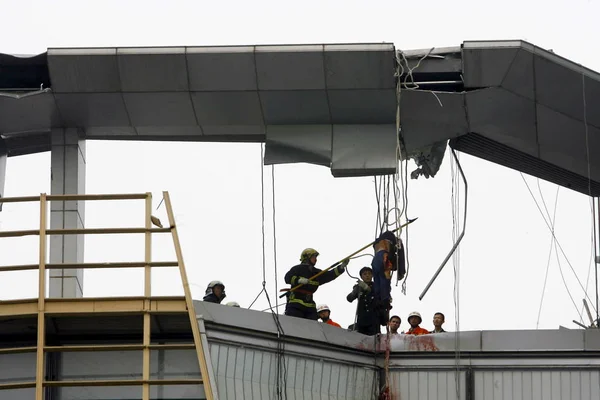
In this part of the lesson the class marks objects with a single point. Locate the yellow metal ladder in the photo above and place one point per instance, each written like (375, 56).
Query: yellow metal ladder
(146, 305)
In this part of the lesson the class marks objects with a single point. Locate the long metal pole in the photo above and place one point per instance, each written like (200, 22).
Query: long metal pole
(410, 221)
(453, 249)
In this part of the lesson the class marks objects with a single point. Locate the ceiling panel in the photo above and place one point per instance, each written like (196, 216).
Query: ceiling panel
(33, 112)
(592, 101)
(169, 131)
(505, 117)
(290, 107)
(362, 106)
(363, 150)
(562, 140)
(486, 67)
(298, 143)
(227, 108)
(110, 132)
(221, 68)
(160, 109)
(92, 109)
(234, 132)
(296, 67)
(559, 87)
(153, 70)
(424, 121)
(83, 70)
(519, 77)
(360, 66)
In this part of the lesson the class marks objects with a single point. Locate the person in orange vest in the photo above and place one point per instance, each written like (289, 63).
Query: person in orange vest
(324, 313)
(414, 319)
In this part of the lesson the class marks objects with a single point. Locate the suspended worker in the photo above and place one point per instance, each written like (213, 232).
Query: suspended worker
(388, 255)
(300, 302)
(365, 320)
(324, 313)
(215, 292)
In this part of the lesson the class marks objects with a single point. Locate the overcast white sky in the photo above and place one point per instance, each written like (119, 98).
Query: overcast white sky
(215, 188)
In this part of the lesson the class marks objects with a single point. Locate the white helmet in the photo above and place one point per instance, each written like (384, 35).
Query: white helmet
(323, 307)
(233, 304)
(415, 314)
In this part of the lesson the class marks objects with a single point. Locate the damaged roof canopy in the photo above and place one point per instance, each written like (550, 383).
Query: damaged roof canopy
(333, 105)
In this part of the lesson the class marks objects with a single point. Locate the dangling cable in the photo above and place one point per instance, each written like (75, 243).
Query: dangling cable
(281, 373)
(537, 325)
(557, 243)
(274, 241)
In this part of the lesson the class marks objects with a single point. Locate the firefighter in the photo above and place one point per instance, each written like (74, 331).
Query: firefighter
(215, 292)
(414, 319)
(300, 302)
(366, 319)
(324, 312)
(384, 262)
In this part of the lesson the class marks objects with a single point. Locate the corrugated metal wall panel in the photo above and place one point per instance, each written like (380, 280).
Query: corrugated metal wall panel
(537, 385)
(427, 385)
(243, 373)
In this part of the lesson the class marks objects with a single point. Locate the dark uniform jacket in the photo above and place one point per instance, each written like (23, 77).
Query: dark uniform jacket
(212, 298)
(365, 309)
(303, 295)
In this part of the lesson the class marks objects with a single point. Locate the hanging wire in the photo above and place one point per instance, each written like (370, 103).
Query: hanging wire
(557, 243)
(281, 373)
(274, 241)
(537, 325)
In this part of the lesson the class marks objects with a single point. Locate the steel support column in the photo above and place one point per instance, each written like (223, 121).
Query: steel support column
(68, 177)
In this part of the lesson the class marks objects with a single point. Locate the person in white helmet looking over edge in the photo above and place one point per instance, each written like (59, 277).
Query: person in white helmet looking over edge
(324, 312)
(300, 302)
(414, 319)
(215, 292)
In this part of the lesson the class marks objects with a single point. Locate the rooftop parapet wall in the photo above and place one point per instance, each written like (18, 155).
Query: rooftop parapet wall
(261, 324)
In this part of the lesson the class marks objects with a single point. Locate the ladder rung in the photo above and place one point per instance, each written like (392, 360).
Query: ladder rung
(119, 347)
(16, 385)
(155, 264)
(28, 267)
(69, 197)
(129, 382)
(13, 350)
(85, 231)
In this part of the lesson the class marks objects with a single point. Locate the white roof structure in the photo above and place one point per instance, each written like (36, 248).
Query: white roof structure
(509, 102)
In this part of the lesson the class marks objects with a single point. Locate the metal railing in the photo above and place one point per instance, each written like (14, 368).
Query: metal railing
(146, 304)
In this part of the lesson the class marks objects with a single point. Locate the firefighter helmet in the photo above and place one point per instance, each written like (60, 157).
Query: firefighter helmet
(308, 253)
(415, 314)
(211, 285)
(323, 307)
